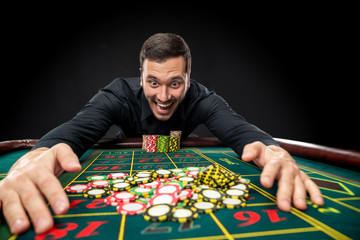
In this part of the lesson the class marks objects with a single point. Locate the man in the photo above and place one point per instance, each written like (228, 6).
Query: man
(162, 99)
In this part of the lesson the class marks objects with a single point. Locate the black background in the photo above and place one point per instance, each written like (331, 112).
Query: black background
(290, 70)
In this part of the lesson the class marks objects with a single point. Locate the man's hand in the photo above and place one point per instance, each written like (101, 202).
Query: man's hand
(293, 184)
(30, 179)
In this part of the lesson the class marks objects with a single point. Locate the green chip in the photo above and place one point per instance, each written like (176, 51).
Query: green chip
(163, 144)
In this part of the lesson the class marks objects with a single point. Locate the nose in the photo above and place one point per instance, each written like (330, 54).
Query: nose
(163, 94)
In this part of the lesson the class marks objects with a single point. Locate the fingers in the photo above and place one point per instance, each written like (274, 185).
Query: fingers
(21, 197)
(30, 182)
(66, 157)
(14, 213)
(37, 209)
(285, 188)
(50, 186)
(252, 151)
(313, 190)
(269, 173)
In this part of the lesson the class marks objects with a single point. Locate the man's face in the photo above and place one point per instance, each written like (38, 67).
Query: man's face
(165, 85)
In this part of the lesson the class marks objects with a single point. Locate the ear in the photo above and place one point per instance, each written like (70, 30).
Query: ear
(141, 84)
(188, 80)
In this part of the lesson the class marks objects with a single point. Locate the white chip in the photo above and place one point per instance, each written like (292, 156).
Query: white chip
(96, 191)
(163, 171)
(133, 206)
(121, 185)
(159, 210)
(168, 189)
(161, 199)
(182, 213)
(209, 193)
(231, 201)
(186, 179)
(204, 205)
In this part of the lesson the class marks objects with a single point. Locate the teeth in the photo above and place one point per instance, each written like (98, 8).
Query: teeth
(164, 105)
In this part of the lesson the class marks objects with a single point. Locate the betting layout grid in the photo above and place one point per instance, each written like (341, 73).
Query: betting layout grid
(263, 212)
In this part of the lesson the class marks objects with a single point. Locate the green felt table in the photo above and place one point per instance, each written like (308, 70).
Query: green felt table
(260, 219)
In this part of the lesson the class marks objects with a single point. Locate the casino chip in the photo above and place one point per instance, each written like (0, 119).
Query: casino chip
(77, 188)
(211, 195)
(122, 186)
(98, 177)
(187, 180)
(96, 193)
(142, 192)
(164, 198)
(159, 212)
(131, 208)
(236, 193)
(183, 215)
(99, 184)
(185, 194)
(108, 200)
(204, 207)
(153, 184)
(168, 189)
(117, 175)
(241, 186)
(163, 173)
(123, 197)
(234, 203)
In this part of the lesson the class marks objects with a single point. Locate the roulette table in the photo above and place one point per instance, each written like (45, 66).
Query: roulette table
(336, 171)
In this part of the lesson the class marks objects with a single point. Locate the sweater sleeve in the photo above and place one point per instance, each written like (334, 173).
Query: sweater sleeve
(89, 125)
(231, 128)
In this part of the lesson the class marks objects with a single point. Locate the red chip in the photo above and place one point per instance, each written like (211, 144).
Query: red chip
(185, 194)
(123, 197)
(163, 199)
(168, 189)
(99, 184)
(108, 200)
(132, 208)
(166, 179)
(78, 188)
(117, 175)
(153, 184)
(193, 174)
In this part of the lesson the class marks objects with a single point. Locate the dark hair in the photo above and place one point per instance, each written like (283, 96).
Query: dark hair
(161, 46)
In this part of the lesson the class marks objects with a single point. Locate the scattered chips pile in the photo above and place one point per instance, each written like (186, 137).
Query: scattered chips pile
(178, 195)
(161, 143)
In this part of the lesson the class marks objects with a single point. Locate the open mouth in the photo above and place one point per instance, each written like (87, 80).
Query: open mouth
(163, 108)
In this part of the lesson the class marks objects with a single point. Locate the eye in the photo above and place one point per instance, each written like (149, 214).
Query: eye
(175, 84)
(153, 83)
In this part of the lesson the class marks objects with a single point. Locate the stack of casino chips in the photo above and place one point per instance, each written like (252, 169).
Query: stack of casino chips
(162, 143)
(178, 195)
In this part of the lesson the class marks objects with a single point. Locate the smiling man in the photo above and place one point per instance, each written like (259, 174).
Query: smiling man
(162, 99)
(165, 85)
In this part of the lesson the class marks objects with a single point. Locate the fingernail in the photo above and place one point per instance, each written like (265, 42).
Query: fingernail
(18, 226)
(301, 202)
(246, 154)
(59, 207)
(319, 201)
(286, 205)
(74, 165)
(41, 225)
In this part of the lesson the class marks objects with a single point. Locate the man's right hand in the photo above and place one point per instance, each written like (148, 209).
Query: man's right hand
(30, 179)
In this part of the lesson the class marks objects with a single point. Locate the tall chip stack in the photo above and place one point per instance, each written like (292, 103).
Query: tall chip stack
(174, 144)
(144, 142)
(163, 144)
(176, 134)
(151, 143)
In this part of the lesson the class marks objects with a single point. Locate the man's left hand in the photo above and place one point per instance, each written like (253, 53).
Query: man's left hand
(293, 184)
